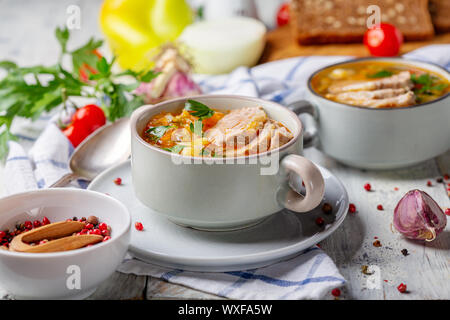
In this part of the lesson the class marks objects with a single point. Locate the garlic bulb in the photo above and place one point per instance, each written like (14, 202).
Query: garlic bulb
(418, 216)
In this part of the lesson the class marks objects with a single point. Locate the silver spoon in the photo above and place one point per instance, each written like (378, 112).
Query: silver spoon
(108, 146)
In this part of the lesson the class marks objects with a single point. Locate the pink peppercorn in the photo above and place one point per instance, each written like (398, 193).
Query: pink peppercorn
(351, 208)
(402, 288)
(139, 226)
(336, 292)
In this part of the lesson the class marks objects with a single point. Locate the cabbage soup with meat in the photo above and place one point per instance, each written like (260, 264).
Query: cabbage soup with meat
(379, 84)
(198, 130)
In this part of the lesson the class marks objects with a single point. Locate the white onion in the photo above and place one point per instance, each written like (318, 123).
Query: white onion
(222, 45)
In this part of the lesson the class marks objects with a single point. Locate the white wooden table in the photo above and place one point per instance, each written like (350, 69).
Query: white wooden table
(26, 36)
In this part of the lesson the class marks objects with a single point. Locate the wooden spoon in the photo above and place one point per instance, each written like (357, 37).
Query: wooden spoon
(60, 231)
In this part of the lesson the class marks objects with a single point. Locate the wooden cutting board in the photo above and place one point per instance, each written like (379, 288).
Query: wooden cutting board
(281, 45)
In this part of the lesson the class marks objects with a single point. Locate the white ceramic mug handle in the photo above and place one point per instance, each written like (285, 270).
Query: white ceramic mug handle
(312, 179)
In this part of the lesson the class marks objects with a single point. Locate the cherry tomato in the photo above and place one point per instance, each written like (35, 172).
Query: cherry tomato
(383, 40)
(90, 116)
(283, 14)
(76, 133)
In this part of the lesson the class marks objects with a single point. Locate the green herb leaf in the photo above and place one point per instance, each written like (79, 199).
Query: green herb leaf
(439, 87)
(175, 149)
(425, 84)
(158, 132)
(424, 79)
(5, 136)
(62, 35)
(380, 74)
(103, 66)
(147, 76)
(198, 109)
(86, 55)
(7, 65)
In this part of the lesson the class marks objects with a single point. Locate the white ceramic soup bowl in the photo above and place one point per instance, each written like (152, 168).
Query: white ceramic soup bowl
(206, 193)
(380, 138)
(71, 274)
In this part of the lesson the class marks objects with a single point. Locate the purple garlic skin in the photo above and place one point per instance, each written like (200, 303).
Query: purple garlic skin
(179, 85)
(417, 216)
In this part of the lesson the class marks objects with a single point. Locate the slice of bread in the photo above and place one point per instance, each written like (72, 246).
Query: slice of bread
(334, 21)
(440, 14)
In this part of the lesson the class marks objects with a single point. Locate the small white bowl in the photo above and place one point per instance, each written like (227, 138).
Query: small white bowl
(71, 274)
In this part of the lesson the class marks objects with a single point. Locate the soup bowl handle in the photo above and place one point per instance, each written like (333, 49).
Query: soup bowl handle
(312, 179)
(305, 107)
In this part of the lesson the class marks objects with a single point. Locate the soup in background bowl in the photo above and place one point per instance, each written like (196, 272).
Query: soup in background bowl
(378, 137)
(380, 84)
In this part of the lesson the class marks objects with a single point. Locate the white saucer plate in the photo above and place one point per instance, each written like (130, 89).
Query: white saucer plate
(279, 237)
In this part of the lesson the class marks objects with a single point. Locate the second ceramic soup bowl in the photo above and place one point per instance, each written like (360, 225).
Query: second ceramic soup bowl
(222, 194)
(385, 138)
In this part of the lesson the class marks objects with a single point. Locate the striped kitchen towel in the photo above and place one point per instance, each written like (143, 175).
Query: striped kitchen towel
(38, 163)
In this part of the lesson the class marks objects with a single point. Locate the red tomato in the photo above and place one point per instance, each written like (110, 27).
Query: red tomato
(383, 40)
(90, 116)
(76, 133)
(283, 14)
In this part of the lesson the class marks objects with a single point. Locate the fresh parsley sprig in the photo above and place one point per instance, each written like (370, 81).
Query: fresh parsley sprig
(380, 74)
(426, 84)
(29, 91)
(157, 133)
(198, 109)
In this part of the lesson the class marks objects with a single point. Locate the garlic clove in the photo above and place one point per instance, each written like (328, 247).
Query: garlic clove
(417, 216)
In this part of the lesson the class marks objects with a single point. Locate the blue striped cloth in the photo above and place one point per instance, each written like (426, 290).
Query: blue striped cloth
(38, 163)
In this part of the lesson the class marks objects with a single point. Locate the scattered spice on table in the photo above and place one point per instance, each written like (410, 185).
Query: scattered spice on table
(327, 208)
(365, 270)
(402, 288)
(320, 222)
(351, 208)
(139, 226)
(429, 184)
(377, 243)
(336, 292)
(118, 181)
(439, 180)
(368, 187)
(380, 207)
(447, 211)
(396, 189)
(405, 252)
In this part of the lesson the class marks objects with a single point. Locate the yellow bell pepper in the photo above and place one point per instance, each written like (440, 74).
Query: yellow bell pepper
(133, 28)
